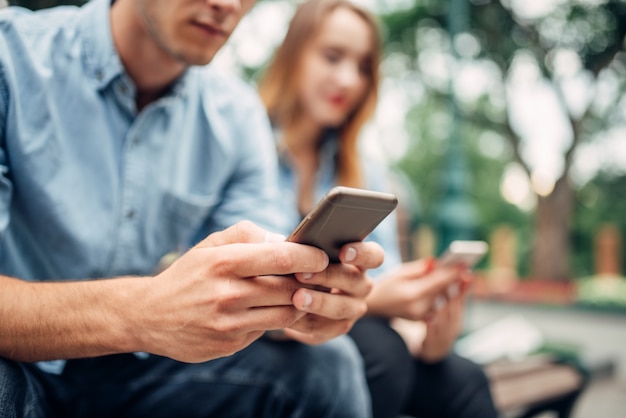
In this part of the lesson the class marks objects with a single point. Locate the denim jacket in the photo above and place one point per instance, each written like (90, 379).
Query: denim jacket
(375, 178)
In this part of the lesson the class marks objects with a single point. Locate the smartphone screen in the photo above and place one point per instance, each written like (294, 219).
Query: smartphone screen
(344, 215)
(467, 253)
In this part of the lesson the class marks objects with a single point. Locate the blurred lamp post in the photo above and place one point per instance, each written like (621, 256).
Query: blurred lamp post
(456, 215)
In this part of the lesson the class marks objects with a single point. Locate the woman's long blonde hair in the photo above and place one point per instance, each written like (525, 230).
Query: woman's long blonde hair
(278, 88)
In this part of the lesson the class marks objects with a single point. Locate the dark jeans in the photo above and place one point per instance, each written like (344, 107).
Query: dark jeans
(267, 379)
(402, 385)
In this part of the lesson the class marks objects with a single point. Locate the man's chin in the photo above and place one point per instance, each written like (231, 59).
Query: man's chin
(199, 61)
(190, 58)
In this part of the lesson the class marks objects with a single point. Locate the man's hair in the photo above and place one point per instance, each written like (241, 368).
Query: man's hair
(278, 86)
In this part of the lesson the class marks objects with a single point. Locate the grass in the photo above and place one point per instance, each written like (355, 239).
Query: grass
(602, 292)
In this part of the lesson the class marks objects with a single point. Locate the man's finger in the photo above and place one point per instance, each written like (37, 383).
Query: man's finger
(253, 259)
(313, 329)
(241, 232)
(348, 279)
(261, 291)
(333, 306)
(274, 317)
(365, 255)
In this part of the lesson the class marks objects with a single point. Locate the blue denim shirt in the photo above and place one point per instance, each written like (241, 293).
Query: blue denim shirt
(375, 177)
(92, 188)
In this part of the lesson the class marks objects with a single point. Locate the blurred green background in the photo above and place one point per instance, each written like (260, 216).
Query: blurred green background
(497, 115)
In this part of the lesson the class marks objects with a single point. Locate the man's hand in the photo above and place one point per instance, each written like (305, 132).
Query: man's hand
(332, 313)
(211, 302)
(226, 292)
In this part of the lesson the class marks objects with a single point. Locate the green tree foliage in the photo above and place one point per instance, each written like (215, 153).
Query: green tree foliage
(497, 36)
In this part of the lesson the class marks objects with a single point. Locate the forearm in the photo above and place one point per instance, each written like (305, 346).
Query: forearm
(43, 321)
(377, 310)
(381, 301)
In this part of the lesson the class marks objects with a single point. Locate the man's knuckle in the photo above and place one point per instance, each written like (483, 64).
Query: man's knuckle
(288, 318)
(282, 259)
(221, 327)
(244, 230)
(343, 311)
(221, 263)
(224, 292)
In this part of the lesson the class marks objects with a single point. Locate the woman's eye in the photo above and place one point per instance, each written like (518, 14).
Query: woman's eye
(365, 70)
(332, 57)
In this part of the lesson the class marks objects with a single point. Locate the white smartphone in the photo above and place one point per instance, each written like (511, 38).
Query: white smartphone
(344, 215)
(467, 253)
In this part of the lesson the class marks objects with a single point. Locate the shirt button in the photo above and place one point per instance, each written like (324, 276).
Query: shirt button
(99, 75)
(130, 214)
(123, 89)
(136, 141)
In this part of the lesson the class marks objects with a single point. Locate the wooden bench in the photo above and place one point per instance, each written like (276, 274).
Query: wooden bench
(535, 384)
(545, 382)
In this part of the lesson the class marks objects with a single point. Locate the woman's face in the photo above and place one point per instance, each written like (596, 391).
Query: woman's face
(335, 69)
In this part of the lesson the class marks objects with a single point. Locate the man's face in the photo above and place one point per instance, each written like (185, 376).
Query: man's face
(191, 31)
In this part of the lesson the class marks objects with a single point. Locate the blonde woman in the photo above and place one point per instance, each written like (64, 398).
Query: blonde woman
(320, 89)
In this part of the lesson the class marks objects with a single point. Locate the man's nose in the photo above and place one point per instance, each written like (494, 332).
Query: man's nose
(225, 5)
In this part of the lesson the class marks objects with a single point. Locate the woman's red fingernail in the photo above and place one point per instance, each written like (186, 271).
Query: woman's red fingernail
(430, 264)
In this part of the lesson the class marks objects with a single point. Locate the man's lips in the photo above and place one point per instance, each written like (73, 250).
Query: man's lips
(210, 29)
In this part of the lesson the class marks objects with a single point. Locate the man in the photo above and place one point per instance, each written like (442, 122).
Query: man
(115, 149)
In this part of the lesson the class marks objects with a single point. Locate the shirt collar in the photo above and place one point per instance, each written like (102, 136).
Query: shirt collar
(100, 56)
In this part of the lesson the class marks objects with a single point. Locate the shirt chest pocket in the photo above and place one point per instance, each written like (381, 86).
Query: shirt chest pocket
(184, 216)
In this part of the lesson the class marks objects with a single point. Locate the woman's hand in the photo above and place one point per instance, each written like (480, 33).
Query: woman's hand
(412, 290)
(433, 339)
(444, 327)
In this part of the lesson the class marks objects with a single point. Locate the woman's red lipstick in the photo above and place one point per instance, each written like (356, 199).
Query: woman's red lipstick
(337, 100)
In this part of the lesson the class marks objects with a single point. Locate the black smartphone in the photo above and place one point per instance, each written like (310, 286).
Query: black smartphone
(344, 215)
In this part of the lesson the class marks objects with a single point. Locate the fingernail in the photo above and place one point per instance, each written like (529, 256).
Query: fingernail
(307, 300)
(306, 276)
(453, 290)
(350, 254)
(430, 263)
(440, 302)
